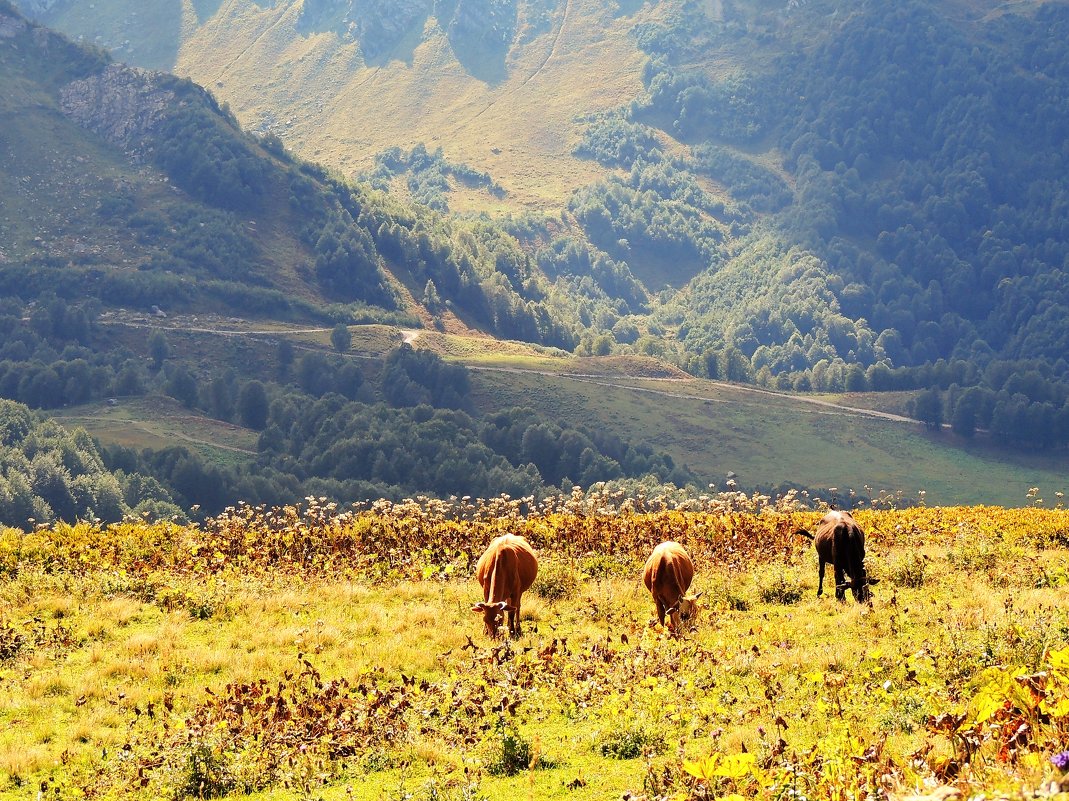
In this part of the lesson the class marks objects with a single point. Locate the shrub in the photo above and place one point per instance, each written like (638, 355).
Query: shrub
(908, 570)
(11, 642)
(557, 581)
(783, 587)
(629, 741)
(513, 754)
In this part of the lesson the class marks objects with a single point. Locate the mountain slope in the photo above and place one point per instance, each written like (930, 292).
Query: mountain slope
(879, 209)
(139, 189)
(334, 105)
(285, 71)
(88, 190)
(912, 151)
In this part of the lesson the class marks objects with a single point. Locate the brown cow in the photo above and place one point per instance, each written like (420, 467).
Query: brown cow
(505, 570)
(667, 575)
(840, 542)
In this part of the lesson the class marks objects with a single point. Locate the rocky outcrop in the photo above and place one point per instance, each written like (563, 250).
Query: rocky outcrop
(36, 8)
(120, 104)
(10, 27)
(380, 24)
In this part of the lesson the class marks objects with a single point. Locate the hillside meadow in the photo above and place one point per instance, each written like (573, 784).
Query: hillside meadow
(314, 652)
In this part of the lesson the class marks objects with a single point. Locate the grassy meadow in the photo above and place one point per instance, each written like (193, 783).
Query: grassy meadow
(769, 439)
(315, 653)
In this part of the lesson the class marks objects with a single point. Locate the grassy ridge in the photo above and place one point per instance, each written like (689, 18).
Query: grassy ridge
(158, 422)
(301, 653)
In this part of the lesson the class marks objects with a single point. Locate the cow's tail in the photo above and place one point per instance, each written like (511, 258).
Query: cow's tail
(803, 533)
(504, 562)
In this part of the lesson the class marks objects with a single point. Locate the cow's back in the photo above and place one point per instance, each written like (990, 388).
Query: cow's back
(508, 565)
(839, 537)
(668, 571)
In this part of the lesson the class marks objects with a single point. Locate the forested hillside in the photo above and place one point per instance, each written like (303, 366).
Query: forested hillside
(133, 196)
(168, 204)
(811, 196)
(813, 218)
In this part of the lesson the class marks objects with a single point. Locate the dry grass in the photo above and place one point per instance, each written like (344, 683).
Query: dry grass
(969, 593)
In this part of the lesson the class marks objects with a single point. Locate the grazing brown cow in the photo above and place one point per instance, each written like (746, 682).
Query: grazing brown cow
(667, 575)
(505, 570)
(841, 542)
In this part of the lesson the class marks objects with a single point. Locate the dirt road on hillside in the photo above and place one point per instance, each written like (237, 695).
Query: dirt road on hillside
(622, 383)
(619, 383)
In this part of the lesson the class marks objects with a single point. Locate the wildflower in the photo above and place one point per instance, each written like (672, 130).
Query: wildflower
(1061, 761)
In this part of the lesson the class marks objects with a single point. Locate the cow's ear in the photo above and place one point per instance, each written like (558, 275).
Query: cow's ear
(873, 581)
(508, 607)
(846, 585)
(479, 608)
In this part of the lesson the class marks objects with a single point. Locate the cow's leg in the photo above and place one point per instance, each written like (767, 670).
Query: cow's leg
(820, 584)
(513, 617)
(673, 621)
(840, 578)
(661, 609)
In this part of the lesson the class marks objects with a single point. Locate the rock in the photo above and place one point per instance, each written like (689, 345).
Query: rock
(120, 104)
(484, 23)
(378, 25)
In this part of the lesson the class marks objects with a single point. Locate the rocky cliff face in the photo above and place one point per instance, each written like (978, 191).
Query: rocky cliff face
(121, 104)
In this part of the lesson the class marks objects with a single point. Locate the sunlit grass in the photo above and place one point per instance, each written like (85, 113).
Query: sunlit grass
(606, 700)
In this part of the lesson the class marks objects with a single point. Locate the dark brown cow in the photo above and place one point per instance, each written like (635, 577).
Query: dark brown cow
(840, 542)
(667, 575)
(505, 570)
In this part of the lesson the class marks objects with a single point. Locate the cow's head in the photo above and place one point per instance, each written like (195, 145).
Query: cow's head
(493, 615)
(859, 587)
(685, 612)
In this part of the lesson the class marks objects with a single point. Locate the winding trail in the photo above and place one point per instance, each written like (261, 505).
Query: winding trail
(608, 381)
(537, 71)
(553, 48)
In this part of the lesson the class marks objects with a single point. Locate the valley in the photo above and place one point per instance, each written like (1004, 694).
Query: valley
(663, 190)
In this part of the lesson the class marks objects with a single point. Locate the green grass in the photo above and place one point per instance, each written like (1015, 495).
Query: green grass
(157, 422)
(767, 439)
